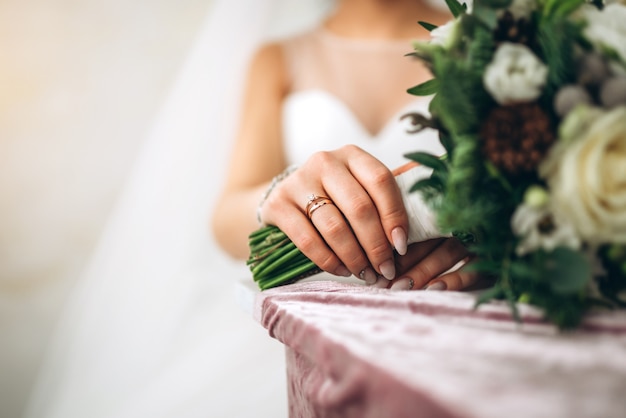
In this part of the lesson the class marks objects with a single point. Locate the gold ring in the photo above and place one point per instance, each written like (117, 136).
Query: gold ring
(316, 202)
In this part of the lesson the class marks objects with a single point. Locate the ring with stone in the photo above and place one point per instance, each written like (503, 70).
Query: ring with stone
(315, 202)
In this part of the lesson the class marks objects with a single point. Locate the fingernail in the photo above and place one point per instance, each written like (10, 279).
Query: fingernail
(398, 236)
(437, 286)
(381, 283)
(388, 269)
(368, 275)
(343, 271)
(405, 283)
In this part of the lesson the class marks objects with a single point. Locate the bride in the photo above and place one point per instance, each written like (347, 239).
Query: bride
(152, 329)
(330, 102)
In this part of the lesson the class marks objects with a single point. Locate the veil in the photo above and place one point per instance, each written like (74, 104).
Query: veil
(152, 327)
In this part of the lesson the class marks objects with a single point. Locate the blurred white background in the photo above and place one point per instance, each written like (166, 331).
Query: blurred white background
(80, 84)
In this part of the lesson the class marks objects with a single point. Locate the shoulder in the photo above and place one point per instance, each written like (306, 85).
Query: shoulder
(275, 60)
(268, 65)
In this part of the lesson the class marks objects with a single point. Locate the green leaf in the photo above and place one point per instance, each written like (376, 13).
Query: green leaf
(567, 271)
(429, 160)
(456, 8)
(565, 8)
(447, 143)
(494, 4)
(427, 88)
(487, 16)
(561, 8)
(428, 26)
(429, 183)
(483, 266)
(495, 292)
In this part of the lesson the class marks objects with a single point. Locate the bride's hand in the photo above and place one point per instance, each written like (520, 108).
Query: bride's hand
(365, 220)
(433, 265)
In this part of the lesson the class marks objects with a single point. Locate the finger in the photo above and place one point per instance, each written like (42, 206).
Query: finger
(363, 223)
(380, 184)
(416, 252)
(456, 279)
(438, 261)
(280, 210)
(337, 234)
(359, 211)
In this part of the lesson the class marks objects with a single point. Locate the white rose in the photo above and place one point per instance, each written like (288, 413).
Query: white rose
(606, 28)
(515, 74)
(587, 177)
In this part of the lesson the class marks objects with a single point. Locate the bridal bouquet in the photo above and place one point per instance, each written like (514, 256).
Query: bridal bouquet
(529, 99)
(530, 104)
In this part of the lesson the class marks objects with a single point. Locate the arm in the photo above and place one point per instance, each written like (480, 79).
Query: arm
(356, 235)
(359, 243)
(257, 155)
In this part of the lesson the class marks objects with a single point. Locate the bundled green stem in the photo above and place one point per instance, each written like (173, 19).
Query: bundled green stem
(275, 260)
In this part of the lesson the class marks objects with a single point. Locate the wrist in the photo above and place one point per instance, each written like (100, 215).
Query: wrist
(275, 181)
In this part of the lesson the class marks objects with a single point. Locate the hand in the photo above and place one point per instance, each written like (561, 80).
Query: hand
(433, 265)
(358, 232)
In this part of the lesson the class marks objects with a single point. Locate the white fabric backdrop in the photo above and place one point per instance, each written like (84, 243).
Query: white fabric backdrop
(152, 329)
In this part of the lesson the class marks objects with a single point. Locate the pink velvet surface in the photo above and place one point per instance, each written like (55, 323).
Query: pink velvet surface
(355, 351)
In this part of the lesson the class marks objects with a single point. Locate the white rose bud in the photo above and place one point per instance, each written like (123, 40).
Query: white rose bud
(587, 178)
(515, 74)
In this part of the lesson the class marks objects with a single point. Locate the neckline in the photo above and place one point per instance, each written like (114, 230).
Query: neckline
(373, 136)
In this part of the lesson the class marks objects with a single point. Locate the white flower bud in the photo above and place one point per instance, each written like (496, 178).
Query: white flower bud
(536, 196)
(515, 74)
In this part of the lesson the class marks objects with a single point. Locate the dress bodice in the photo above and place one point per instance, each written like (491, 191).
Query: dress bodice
(333, 102)
(316, 120)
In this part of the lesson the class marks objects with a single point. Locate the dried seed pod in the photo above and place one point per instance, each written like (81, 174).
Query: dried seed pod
(568, 97)
(593, 69)
(517, 137)
(613, 92)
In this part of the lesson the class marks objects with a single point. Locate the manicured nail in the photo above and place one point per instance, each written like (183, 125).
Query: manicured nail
(405, 283)
(437, 286)
(368, 275)
(343, 271)
(398, 236)
(381, 283)
(388, 269)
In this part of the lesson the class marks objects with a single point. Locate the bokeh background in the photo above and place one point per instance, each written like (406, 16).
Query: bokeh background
(81, 82)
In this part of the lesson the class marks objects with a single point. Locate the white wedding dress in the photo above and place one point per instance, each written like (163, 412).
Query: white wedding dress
(153, 328)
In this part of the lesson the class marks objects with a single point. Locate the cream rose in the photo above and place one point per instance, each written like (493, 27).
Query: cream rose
(586, 174)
